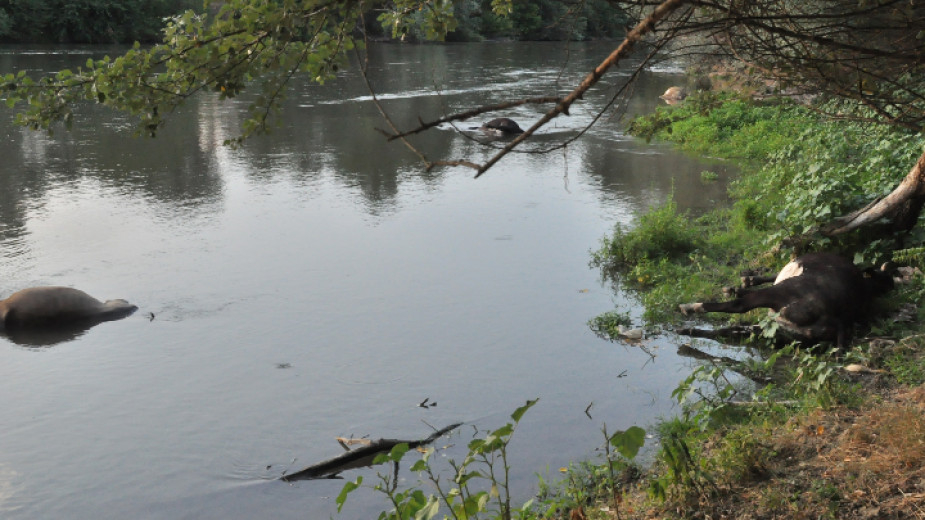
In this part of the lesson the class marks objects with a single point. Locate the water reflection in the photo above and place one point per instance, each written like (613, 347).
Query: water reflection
(46, 337)
(331, 130)
(35, 163)
(7, 488)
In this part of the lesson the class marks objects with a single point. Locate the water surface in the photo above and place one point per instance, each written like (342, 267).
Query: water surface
(318, 283)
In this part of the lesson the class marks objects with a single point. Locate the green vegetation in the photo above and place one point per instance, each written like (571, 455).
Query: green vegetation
(86, 21)
(479, 485)
(538, 20)
(784, 448)
(127, 21)
(610, 324)
(724, 125)
(799, 171)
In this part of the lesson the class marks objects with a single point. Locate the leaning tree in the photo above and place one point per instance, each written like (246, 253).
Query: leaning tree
(871, 52)
(868, 51)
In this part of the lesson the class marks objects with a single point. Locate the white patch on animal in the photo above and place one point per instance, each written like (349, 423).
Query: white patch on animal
(791, 270)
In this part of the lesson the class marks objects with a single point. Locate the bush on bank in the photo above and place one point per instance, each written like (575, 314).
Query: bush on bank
(86, 21)
(799, 170)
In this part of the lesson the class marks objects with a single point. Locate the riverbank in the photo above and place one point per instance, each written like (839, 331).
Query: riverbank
(780, 432)
(836, 434)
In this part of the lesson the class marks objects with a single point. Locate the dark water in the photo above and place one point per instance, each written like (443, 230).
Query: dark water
(318, 283)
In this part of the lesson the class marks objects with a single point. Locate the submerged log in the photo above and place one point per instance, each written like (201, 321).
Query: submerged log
(360, 457)
(735, 365)
(736, 333)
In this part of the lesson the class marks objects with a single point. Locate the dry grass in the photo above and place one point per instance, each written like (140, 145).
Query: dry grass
(838, 463)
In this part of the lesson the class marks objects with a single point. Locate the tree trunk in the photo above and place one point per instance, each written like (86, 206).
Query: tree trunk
(902, 206)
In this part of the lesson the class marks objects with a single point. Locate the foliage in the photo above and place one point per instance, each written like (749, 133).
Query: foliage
(244, 45)
(661, 233)
(907, 369)
(86, 21)
(910, 256)
(479, 487)
(815, 378)
(588, 483)
(538, 20)
(6, 23)
(798, 171)
(907, 362)
(410, 18)
(710, 384)
(723, 124)
(833, 168)
(801, 170)
(608, 325)
(670, 257)
(477, 20)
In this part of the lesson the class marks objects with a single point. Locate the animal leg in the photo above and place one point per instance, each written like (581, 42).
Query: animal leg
(770, 297)
(747, 281)
(752, 281)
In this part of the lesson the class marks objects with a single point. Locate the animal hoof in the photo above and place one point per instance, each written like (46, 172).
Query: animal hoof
(688, 308)
(633, 334)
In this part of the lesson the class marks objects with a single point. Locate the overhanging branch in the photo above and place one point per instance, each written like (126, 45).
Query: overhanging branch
(644, 27)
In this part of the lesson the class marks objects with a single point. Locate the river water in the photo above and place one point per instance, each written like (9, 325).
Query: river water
(319, 283)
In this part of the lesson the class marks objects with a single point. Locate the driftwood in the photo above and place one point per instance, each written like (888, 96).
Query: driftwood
(360, 457)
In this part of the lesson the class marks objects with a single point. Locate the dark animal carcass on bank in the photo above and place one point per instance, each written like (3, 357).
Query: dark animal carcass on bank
(818, 297)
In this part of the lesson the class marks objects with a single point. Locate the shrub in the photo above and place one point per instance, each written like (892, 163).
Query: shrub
(661, 233)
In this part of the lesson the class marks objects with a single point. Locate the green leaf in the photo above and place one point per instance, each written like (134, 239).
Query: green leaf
(348, 487)
(629, 442)
(382, 458)
(518, 413)
(398, 451)
(464, 478)
(502, 432)
(429, 511)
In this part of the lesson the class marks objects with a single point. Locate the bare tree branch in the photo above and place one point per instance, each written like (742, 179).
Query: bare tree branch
(644, 27)
(462, 116)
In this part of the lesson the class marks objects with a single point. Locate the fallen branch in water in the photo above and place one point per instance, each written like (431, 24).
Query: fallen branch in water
(360, 457)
